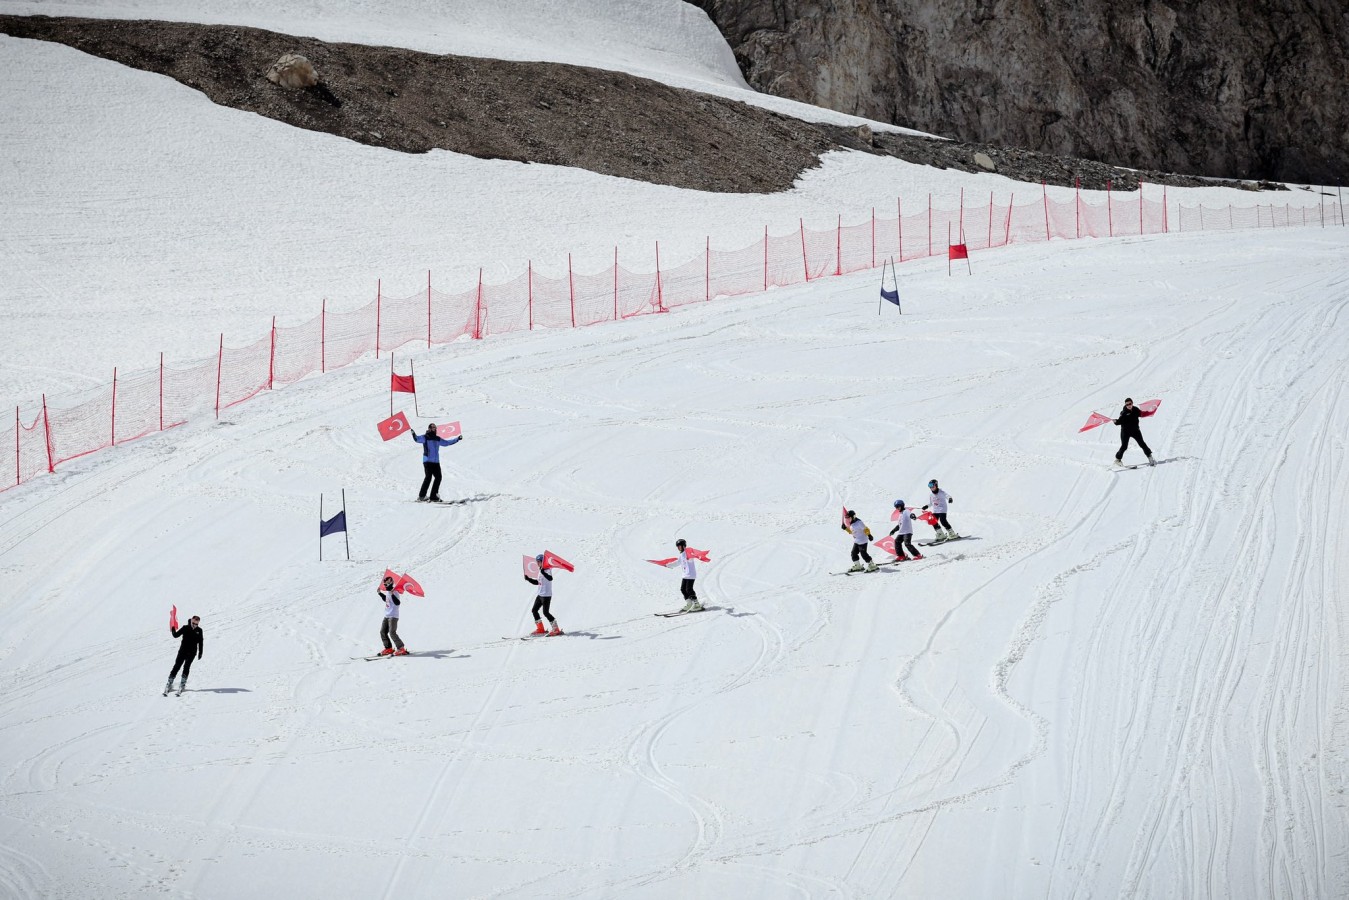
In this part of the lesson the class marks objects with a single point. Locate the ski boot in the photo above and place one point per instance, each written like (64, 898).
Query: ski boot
(871, 567)
(539, 629)
(1151, 461)
(1119, 464)
(952, 536)
(557, 629)
(168, 687)
(939, 537)
(387, 651)
(182, 686)
(916, 556)
(695, 606)
(401, 651)
(856, 567)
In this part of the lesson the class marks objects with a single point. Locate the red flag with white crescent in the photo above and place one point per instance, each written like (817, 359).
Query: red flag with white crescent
(173, 617)
(887, 544)
(663, 563)
(451, 430)
(1094, 421)
(531, 567)
(552, 561)
(406, 584)
(394, 426)
(1147, 408)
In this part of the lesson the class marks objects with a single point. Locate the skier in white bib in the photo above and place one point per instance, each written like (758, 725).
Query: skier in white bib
(905, 531)
(690, 572)
(940, 499)
(861, 535)
(544, 600)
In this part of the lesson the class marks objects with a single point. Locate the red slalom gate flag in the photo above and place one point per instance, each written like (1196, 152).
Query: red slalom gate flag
(1094, 421)
(403, 384)
(393, 426)
(958, 251)
(173, 617)
(1147, 408)
(531, 567)
(552, 561)
(887, 544)
(451, 430)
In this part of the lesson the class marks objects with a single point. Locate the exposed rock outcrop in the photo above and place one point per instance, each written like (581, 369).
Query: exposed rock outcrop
(1249, 90)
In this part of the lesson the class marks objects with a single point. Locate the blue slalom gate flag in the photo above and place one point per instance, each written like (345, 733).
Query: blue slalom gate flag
(334, 525)
(892, 296)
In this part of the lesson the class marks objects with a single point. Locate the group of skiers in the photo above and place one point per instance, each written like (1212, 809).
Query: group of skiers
(903, 530)
(193, 639)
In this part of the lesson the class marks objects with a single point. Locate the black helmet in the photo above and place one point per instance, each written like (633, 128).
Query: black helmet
(851, 514)
(680, 544)
(899, 504)
(388, 581)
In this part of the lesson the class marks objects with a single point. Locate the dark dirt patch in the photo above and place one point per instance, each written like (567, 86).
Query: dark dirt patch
(607, 122)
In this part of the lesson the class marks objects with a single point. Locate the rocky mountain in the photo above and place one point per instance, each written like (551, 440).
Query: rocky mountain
(1249, 90)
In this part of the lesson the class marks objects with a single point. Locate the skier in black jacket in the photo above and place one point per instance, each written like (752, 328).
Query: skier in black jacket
(1128, 428)
(194, 641)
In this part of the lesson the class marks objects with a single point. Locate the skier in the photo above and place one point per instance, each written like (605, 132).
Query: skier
(544, 600)
(194, 641)
(861, 534)
(431, 445)
(690, 572)
(905, 531)
(389, 629)
(1128, 428)
(940, 499)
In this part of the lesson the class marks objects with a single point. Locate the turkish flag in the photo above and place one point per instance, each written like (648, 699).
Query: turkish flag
(845, 517)
(1095, 420)
(887, 544)
(699, 554)
(552, 561)
(1147, 408)
(664, 563)
(928, 517)
(403, 384)
(451, 430)
(897, 515)
(408, 585)
(393, 426)
(173, 617)
(958, 251)
(531, 568)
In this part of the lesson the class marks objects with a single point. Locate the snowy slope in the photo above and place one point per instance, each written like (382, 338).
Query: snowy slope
(1122, 684)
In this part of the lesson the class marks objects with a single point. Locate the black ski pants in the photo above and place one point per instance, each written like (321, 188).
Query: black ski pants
(183, 662)
(542, 603)
(390, 630)
(1124, 443)
(902, 541)
(860, 550)
(432, 480)
(686, 589)
(941, 522)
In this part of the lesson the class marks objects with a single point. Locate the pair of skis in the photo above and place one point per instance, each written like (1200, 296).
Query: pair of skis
(380, 656)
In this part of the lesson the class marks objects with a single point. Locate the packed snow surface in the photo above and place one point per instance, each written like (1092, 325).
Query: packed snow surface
(1119, 683)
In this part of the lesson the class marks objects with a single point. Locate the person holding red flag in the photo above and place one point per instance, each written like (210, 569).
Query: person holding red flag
(190, 648)
(545, 597)
(905, 531)
(389, 629)
(1128, 428)
(940, 499)
(431, 445)
(690, 572)
(861, 536)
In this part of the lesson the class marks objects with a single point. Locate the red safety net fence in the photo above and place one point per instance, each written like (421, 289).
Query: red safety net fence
(135, 404)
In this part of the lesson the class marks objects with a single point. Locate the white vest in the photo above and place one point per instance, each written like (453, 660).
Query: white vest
(686, 563)
(390, 608)
(859, 531)
(938, 501)
(545, 586)
(905, 523)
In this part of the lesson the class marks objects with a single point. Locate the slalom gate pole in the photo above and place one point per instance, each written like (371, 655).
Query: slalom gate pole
(346, 532)
(428, 309)
(219, 363)
(379, 308)
(114, 406)
(412, 367)
(320, 526)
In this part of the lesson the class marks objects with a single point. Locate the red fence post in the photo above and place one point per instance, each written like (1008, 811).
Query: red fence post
(17, 468)
(615, 282)
(379, 307)
(428, 309)
(219, 362)
(838, 247)
(1045, 191)
(1166, 228)
(477, 311)
(571, 290)
(1140, 207)
(323, 336)
(1077, 204)
(961, 232)
(271, 359)
(530, 271)
(114, 406)
(805, 263)
(765, 257)
(707, 269)
(161, 390)
(873, 237)
(660, 294)
(929, 224)
(47, 430)
(899, 225)
(1109, 209)
(990, 218)
(1007, 234)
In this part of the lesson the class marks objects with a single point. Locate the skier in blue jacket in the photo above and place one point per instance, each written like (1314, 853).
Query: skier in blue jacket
(431, 445)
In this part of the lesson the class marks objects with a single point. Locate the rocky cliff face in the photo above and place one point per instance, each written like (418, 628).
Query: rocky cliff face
(1252, 90)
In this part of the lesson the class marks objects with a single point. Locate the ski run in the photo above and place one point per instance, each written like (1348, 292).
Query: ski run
(1113, 685)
